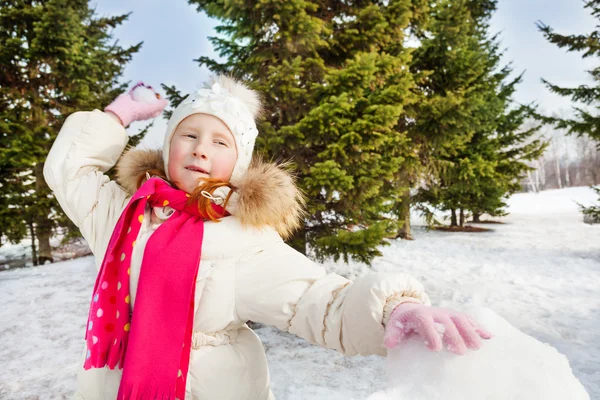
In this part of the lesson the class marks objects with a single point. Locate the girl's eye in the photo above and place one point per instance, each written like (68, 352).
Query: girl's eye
(191, 135)
(221, 143)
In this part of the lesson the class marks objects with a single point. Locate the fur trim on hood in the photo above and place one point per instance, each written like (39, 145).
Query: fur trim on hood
(268, 194)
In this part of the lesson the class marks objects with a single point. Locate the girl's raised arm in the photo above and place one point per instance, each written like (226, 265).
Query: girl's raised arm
(87, 146)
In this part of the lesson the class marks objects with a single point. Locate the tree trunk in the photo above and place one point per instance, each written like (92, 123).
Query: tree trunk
(462, 218)
(42, 220)
(34, 258)
(405, 232)
(543, 176)
(567, 158)
(298, 241)
(532, 183)
(476, 217)
(558, 177)
(453, 218)
(44, 231)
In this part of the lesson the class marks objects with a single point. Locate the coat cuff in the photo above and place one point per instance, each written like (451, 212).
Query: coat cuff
(394, 301)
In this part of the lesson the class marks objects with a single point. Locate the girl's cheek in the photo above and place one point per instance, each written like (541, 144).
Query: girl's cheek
(179, 153)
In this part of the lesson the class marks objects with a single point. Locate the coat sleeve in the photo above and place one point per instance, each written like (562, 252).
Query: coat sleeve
(88, 145)
(281, 287)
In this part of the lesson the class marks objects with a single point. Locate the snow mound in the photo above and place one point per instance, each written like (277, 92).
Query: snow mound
(511, 366)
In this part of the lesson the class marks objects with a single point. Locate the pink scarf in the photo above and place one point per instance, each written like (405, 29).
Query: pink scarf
(153, 344)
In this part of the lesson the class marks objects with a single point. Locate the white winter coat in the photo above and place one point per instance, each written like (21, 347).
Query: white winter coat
(247, 272)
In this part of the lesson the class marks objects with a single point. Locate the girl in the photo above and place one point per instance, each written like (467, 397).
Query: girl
(189, 246)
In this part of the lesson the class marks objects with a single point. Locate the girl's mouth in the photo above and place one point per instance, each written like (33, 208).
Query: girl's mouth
(196, 169)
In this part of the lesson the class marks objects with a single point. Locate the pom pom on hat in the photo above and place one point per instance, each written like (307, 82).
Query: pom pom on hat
(243, 93)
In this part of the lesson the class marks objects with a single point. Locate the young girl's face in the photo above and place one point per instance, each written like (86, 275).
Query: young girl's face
(202, 146)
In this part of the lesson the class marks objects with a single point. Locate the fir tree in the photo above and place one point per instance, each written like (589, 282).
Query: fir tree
(591, 214)
(510, 148)
(484, 164)
(58, 57)
(447, 67)
(456, 91)
(584, 121)
(337, 89)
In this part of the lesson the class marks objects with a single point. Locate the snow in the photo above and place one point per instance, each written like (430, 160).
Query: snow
(511, 366)
(18, 255)
(15, 251)
(540, 271)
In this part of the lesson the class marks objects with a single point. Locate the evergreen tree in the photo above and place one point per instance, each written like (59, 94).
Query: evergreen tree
(484, 165)
(57, 57)
(457, 91)
(584, 121)
(591, 214)
(510, 148)
(489, 167)
(337, 90)
(448, 67)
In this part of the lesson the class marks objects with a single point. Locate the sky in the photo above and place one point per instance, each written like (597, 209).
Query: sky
(174, 34)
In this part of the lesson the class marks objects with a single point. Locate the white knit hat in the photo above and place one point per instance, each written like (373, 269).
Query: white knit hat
(234, 104)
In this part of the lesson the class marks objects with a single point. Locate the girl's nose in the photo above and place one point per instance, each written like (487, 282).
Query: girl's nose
(200, 150)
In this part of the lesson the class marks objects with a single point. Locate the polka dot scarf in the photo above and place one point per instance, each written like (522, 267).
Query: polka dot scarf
(153, 345)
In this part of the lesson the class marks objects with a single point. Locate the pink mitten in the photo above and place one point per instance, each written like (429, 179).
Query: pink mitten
(138, 104)
(456, 330)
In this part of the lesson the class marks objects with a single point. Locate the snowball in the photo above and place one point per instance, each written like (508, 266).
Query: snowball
(144, 95)
(441, 328)
(510, 366)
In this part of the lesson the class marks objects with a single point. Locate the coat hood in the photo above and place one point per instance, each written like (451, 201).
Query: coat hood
(267, 194)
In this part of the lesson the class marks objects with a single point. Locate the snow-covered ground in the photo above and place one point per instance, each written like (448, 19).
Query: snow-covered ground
(18, 255)
(540, 271)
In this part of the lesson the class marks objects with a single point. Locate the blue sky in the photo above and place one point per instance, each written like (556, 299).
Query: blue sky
(174, 34)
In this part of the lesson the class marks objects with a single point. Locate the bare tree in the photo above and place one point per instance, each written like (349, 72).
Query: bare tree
(589, 161)
(570, 161)
(554, 144)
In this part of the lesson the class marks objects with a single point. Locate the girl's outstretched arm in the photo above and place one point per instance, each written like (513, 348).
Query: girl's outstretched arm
(279, 286)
